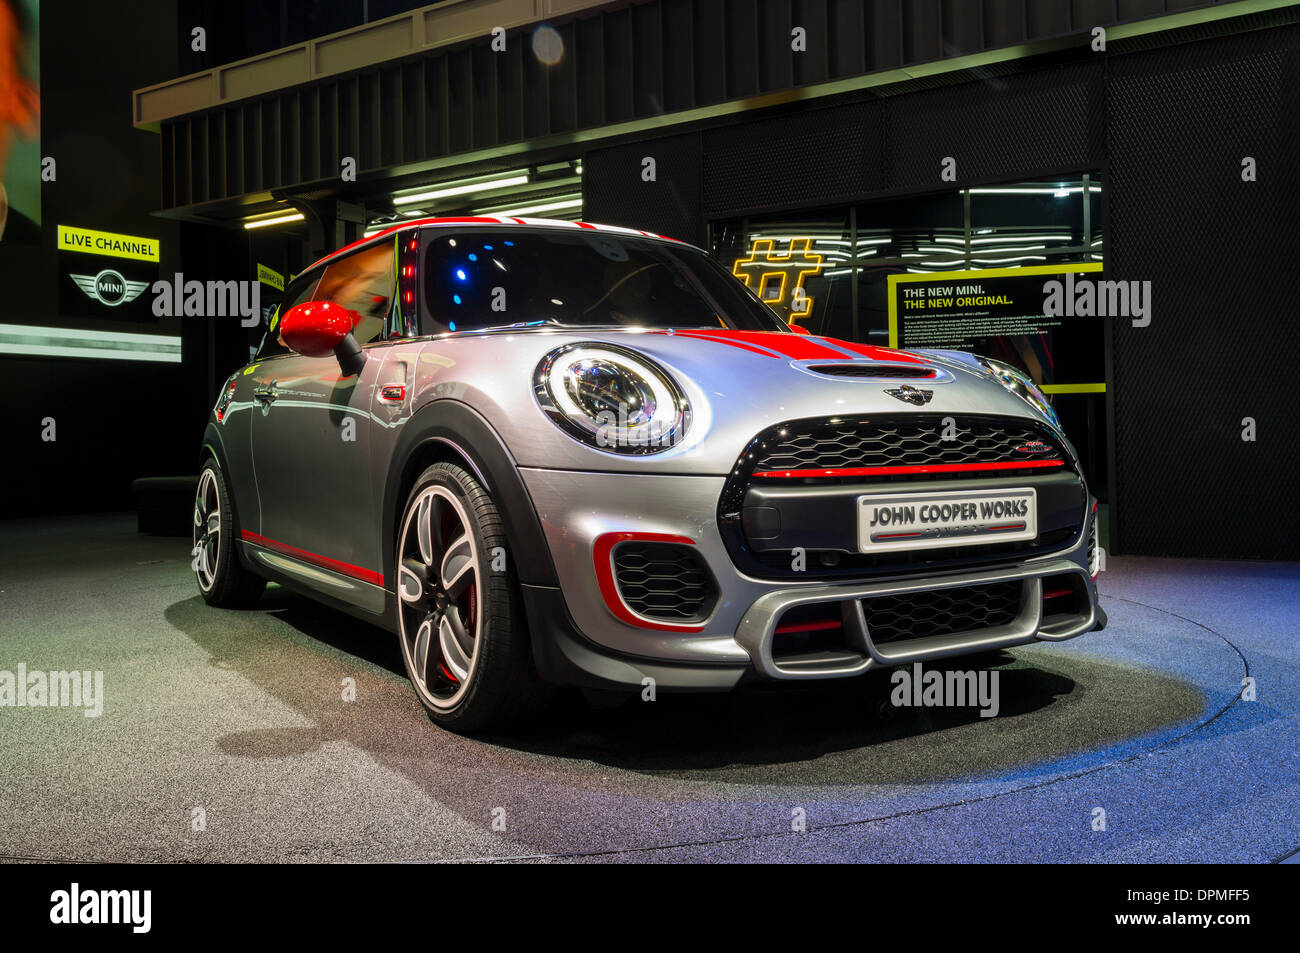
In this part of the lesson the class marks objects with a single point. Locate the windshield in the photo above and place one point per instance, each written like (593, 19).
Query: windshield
(485, 278)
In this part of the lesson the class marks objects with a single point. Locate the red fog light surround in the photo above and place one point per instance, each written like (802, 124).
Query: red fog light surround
(602, 556)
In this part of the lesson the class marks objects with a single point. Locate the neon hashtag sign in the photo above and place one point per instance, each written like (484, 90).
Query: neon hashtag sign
(773, 275)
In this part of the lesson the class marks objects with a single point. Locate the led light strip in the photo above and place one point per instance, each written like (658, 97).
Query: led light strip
(33, 341)
(276, 220)
(467, 188)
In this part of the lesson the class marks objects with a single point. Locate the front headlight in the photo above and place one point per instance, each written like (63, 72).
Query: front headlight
(1023, 386)
(611, 398)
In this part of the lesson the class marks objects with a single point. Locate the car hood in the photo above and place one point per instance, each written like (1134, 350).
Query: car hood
(738, 384)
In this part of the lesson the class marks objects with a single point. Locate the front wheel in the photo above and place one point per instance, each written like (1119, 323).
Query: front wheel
(461, 624)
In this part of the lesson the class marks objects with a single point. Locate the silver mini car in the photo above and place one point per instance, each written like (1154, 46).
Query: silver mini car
(558, 453)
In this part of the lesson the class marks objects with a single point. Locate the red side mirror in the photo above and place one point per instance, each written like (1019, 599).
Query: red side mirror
(316, 328)
(799, 328)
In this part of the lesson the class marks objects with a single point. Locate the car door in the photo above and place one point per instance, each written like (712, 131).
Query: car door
(311, 437)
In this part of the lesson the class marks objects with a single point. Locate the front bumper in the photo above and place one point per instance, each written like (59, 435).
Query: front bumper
(578, 639)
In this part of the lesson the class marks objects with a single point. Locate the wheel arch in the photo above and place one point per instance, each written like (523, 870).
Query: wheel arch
(213, 447)
(449, 431)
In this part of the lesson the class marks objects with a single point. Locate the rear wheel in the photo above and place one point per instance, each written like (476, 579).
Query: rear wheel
(223, 581)
(461, 624)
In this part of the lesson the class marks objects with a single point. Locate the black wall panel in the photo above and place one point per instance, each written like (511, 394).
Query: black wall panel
(808, 158)
(1220, 254)
(614, 192)
(1047, 121)
(619, 63)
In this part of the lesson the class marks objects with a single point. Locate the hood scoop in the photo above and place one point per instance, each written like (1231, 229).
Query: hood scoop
(873, 370)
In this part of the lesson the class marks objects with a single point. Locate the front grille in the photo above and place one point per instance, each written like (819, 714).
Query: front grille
(913, 452)
(664, 581)
(911, 441)
(916, 615)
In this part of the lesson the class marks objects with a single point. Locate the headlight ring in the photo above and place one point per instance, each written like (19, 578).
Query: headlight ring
(611, 398)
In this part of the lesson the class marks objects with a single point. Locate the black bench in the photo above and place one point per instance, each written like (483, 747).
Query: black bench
(165, 505)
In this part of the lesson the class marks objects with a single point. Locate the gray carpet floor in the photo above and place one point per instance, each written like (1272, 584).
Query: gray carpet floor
(241, 716)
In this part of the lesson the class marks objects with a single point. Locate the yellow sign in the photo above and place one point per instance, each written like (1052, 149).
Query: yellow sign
(768, 272)
(107, 243)
(270, 277)
(971, 275)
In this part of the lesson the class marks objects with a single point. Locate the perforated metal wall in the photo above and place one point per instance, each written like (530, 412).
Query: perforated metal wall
(1220, 254)
(615, 190)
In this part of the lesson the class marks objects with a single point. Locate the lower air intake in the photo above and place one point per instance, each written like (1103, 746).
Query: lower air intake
(916, 615)
(667, 582)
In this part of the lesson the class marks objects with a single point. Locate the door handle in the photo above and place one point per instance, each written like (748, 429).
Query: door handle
(265, 395)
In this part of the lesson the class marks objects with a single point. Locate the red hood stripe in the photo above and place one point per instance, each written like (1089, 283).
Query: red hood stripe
(798, 347)
(876, 353)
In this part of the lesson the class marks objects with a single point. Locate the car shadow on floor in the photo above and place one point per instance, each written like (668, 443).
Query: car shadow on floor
(835, 732)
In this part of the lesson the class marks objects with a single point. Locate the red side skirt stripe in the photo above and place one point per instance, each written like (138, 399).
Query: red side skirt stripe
(324, 562)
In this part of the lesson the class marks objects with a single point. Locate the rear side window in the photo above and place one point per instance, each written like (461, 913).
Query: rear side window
(364, 282)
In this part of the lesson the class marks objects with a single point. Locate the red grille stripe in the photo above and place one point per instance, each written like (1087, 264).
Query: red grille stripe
(916, 468)
(808, 627)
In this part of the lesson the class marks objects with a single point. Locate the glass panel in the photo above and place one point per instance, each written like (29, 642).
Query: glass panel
(921, 234)
(1027, 223)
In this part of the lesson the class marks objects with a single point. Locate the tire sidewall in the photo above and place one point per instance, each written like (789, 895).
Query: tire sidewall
(226, 542)
(494, 603)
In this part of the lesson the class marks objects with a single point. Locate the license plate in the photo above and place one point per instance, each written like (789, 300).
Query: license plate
(931, 520)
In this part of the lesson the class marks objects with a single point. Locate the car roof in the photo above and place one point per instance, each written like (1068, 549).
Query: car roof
(484, 220)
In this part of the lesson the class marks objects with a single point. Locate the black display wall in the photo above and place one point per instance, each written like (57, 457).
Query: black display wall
(1168, 128)
(114, 420)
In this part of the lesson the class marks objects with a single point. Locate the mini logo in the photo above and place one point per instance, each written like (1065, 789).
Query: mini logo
(913, 395)
(1033, 446)
(109, 287)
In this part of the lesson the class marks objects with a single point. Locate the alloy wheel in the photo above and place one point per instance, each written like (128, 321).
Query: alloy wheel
(207, 529)
(438, 592)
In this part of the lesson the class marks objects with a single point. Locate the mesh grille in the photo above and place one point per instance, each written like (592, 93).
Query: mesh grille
(911, 441)
(917, 615)
(664, 581)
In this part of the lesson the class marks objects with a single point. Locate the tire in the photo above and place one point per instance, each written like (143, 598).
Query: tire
(460, 617)
(222, 579)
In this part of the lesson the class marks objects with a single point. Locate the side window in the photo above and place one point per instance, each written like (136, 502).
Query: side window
(298, 291)
(365, 283)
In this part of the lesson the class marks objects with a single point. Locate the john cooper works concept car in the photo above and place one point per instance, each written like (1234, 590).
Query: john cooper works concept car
(558, 453)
